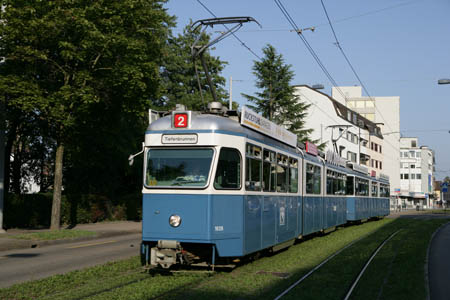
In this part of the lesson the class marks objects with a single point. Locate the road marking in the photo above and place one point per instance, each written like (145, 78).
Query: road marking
(91, 244)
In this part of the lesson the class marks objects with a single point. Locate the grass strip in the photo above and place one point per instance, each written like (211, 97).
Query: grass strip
(259, 280)
(54, 234)
(397, 272)
(118, 280)
(62, 285)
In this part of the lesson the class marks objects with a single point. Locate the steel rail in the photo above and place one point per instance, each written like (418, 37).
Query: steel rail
(329, 258)
(316, 268)
(367, 264)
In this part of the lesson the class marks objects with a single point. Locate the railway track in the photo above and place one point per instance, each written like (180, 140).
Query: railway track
(349, 293)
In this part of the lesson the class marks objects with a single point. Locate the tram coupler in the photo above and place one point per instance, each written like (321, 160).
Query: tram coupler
(165, 254)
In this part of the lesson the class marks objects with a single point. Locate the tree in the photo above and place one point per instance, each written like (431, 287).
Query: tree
(178, 72)
(66, 59)
(277, 100)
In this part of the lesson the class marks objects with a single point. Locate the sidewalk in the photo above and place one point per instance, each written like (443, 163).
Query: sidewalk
(439, 264)
(103, 229)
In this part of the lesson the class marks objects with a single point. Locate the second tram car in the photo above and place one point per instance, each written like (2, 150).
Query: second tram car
(219, 186)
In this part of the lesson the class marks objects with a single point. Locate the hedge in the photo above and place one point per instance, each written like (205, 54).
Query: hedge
(34, 210)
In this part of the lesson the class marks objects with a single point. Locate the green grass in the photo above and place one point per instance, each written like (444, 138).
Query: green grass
(54, 235)
(118, 280)
(256, 280)
(396, 273)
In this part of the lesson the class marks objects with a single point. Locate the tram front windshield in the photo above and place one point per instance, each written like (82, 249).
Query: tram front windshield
(178, 167)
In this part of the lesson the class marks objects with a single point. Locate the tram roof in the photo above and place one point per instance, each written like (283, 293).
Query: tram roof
(215, 123)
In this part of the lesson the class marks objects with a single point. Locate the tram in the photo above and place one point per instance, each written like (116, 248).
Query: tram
(222, 185)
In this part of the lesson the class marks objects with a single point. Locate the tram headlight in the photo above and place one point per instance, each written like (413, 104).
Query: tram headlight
(175, 220)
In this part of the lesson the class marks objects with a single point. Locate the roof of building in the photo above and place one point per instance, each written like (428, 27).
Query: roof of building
(356, 119)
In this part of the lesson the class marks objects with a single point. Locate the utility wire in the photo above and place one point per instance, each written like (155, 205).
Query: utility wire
(314, 54)
(308, 46)
(351, 66)
(235, 36)
(367, 13)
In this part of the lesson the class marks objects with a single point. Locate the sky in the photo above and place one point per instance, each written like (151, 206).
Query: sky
(398, 48)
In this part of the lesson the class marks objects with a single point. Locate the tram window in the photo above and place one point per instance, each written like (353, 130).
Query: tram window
(374, 189)
(336, 183)
(313, 179)
(282, 174)
(269, 171)
(253, 168)
(228, 174)
(384, 191)
(178, 167)
(362, 187)
(293, 175)
(330, 182)
(350, 185)
(342, 184)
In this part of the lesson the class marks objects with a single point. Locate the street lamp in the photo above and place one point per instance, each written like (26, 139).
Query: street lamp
(444, 81)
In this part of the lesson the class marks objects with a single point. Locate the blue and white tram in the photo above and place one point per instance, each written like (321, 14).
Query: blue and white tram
(367, 197)
(216, 189)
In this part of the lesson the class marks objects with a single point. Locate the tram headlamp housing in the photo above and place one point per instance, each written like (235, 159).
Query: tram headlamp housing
(175, 220)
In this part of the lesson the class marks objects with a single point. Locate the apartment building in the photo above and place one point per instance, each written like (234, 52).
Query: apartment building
(343, 130)
(417, 167)
(385, 113)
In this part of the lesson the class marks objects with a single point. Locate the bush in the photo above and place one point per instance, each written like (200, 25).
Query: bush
(34, 210)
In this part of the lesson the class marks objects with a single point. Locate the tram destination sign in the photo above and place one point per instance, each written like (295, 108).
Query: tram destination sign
(179, 139)
(258, 123)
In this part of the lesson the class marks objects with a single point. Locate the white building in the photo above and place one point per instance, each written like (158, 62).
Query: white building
(385, 112)
(344, 131)
(417, 166)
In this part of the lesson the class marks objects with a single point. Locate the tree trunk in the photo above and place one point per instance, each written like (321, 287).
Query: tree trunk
(57, 188)
(17, 166)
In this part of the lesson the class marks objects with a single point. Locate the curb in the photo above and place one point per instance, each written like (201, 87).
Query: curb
(14, 244)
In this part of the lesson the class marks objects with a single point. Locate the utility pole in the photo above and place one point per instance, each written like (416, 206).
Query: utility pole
(230, 104)
(230, 91)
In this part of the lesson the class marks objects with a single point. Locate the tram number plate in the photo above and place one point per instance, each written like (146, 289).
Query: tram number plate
(179, 139)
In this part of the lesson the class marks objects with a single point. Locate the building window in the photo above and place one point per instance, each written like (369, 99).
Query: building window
(380, 149)
(351, 156)
(413, 144)
(349, 115)
(413, 176)
(381, 166)
(418, 176)
(412, 166)
(401, 176)
(370, 117)
(405, 176)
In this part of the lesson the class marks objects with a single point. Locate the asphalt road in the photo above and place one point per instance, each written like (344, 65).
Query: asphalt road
(29, 264)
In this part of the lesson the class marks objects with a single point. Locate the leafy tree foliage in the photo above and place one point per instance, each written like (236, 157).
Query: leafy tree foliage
(67, 62)
(178, 72)
(276, 99)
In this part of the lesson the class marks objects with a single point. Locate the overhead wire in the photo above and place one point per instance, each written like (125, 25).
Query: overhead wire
(308, 46)
(234, 35)
(338, 44)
